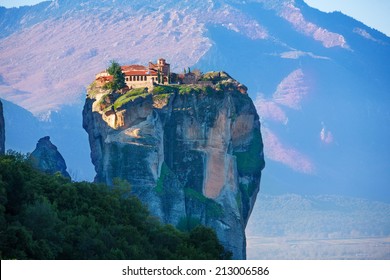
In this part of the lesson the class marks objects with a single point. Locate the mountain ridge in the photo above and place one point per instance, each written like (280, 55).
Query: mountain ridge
(59, 15)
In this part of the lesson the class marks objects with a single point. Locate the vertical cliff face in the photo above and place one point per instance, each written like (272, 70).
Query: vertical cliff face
(2, 130)
(192, 153)
(47, 158)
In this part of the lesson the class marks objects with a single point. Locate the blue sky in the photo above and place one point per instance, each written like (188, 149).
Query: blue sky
(374, 13)
(17, 3)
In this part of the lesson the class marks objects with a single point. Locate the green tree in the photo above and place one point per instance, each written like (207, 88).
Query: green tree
(121, 186)
(205, 239)
(115, 71)
(158, 76)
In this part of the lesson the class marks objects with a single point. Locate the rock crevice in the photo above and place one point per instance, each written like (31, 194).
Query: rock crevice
(2, 130)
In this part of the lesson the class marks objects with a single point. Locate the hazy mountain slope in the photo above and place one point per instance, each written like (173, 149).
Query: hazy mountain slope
(68, 60)
(23, 130)
(129, 31)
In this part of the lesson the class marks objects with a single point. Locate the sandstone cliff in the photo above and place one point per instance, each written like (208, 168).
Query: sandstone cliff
(192, 153)
(46, 158)
(2, 130)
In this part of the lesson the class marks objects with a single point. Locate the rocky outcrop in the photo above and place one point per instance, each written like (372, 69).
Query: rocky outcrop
(192, 153)
(46, 158)
(2, 130)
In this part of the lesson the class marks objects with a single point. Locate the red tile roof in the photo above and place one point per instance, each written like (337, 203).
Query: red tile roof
(131, 70)
(140, 73)
(106, 78)
(135, 67)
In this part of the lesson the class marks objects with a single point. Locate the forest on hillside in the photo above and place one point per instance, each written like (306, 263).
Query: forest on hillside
(50, 217)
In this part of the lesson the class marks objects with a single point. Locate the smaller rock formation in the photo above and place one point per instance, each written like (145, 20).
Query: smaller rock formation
(46, 158)
(2, 130)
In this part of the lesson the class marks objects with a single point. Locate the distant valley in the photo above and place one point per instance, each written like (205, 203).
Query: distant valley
(318, 227)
